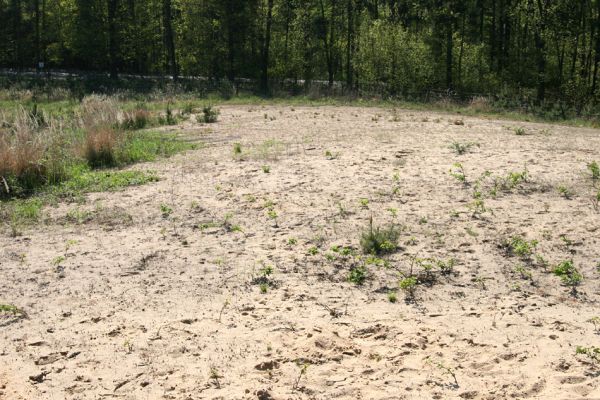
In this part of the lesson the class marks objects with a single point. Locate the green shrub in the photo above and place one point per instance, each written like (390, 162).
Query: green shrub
(209, 115)
(377, 241)
(569, 275)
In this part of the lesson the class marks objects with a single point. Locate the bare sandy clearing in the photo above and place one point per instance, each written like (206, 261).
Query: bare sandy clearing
(156, 302)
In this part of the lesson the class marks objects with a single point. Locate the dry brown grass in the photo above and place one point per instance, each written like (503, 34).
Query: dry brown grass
(22, 152)
(100, 146)
(480, 104)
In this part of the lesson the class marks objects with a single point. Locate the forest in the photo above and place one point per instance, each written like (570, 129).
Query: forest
(538, 51)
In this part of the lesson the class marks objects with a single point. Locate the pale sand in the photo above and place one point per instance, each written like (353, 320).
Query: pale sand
(135, 313)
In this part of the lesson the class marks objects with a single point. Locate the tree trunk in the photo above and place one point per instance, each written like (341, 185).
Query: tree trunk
(112, 38)
(266, 47)
(170, 39)
(349, 44)
(449, 49)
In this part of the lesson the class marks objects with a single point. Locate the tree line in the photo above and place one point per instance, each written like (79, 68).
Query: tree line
(540, 49)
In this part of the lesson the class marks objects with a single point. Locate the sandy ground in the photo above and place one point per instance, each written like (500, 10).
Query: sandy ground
(153, 304)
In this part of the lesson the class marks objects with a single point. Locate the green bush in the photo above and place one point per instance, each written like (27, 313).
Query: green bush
(377, 241)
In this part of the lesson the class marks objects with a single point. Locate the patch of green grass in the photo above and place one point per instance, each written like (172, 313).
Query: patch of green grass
(358, 275)
(10, 309)
(377, 240)
(148, 146)
(83, 180)
(569, 275)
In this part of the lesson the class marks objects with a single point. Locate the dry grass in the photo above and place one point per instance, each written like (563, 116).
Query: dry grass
(22, 150)
(100, 146)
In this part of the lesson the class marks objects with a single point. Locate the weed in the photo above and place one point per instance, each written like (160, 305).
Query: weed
(292, 241)
(593, 353)
(461, 148)
(10, 309)
(595, 170)
(264, 287)
(165, 210)
(357, 275)
(565, 192)
(446, 267)
(100, 147)
(364, 203)
(266, 169)
(215, 376)
(458, 172)
(377, 241)
(446, 370)
(313, 251)
(137, 119)
(409, 285)
(209, 115)
(303, 369)
(596, 322)
(569, 275)
(392, 297)
(520, 247)
(237, 149)
(524, 273)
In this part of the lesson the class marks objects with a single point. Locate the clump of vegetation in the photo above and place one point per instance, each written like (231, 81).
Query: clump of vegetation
(378, 241)
(520, 247)
(209, 115)
(594, 170)
(520, 131)
(458, 172)
(569, 275)
(462, 148)
(100, 147)
(137, 119)
(593, 353)
(358, 275)
(409, 286)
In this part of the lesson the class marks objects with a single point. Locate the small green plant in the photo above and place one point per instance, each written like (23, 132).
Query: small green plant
(364, 203)
(595, 170)
(596, 322)
(302, 372)
(209, 115)
(165, 210)
(408, 286)
(313, 251)
(593, 353)
(358, 275)
(461, 148)
(215, 376)
(272, 214)
(524, 273)
(10, 309)
(446, 267)
(520, 247)
(520, 131)
(237, 149)
(392, 297)
(292, 241)
(266, 169)
(565, 192)
(377, 241)
(264, 287)
(569, 275)
(445, 369)
(458, 172)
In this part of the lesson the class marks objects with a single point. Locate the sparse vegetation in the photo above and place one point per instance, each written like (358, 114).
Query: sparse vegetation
(377, 240)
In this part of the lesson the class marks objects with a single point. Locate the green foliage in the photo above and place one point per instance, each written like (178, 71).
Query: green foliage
(594, 170)
(458, 172)
(409, 285)
(358, 275)
(569, 275)
(593, 353)
(520, 247)
(378, 241)
(209, 115)
(461, 148)
(10, 309)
